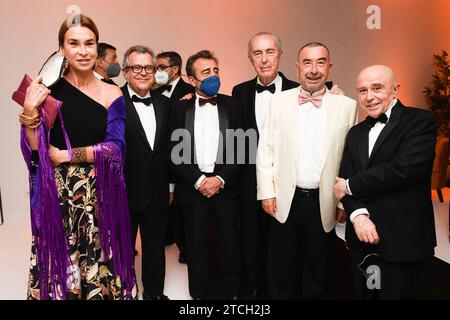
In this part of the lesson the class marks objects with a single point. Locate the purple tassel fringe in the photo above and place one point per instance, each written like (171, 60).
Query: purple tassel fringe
(113, 216)
(46, 222)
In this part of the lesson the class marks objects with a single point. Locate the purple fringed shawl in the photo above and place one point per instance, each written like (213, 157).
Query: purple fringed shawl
(113, 214)
(114, 220)
(46, 222)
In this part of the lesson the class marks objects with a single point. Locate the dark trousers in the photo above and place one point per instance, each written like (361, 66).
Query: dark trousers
(397, 281)
(253, 231)
(152, 228)
(175, 226)
(171, 224)
(304, 222)
(196, 221)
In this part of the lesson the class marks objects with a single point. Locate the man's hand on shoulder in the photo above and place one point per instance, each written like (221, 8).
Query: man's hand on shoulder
(188, 96)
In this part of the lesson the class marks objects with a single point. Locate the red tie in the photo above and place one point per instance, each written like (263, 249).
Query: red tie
(315, 100)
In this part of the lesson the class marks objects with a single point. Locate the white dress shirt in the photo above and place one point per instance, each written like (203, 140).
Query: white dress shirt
(311, 144)
(378, 127)
(146, 116)
(262, 101)
(374, 133)
(206, 135)
(174, 83)
(206, 138)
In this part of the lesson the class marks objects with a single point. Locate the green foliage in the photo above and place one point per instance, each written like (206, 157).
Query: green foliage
(438, 93)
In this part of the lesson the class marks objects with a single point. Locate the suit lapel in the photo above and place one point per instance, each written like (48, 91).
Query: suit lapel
(390, 125)
(134, 119)
(363, 145)
(176, 95)
(159, 114)
(330, 124)
(181, 89)
(251, 97)
(223, 126)
(285, 85)
(292, 118)
(189, 125)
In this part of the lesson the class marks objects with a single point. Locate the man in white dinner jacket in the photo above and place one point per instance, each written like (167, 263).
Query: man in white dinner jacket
(297, 163)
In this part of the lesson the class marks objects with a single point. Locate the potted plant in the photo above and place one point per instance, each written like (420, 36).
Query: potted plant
(438, 93)
(438, 98)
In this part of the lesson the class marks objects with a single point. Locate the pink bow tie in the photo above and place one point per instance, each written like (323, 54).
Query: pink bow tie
(315, 100)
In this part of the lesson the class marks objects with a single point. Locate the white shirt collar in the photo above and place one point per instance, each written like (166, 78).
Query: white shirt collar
(174, 82)
(389, 110)
(172, 88)
(277, 81)
(199, 96)
(131, 91)
(274, 80)
(98, 75)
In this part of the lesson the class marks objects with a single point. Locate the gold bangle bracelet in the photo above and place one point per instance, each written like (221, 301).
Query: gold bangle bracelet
(32, 125)
(30, 122)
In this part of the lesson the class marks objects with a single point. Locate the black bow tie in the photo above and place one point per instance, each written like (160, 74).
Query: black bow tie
(166, 87)
(371, 121)
(260, 88)
(145, 101)
(212, 100)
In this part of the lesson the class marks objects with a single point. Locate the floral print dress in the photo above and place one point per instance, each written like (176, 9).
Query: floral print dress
(92, 274)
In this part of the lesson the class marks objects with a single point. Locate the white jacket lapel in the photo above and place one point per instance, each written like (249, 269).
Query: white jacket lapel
(331, 122)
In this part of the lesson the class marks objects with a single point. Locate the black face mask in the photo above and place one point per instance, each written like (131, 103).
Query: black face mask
(113, 70)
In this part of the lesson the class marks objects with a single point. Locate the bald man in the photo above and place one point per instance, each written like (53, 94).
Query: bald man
(384, 186)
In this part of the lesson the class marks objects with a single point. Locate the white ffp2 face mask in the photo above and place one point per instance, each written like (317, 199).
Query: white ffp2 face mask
(53, 68)
(161, 77)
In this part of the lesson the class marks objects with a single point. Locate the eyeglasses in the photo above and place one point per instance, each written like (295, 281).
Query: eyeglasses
(138, 68)
(163, 67)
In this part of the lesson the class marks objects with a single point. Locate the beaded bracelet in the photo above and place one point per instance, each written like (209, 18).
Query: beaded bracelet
(79, 155)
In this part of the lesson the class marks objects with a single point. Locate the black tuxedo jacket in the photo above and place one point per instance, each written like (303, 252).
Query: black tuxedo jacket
(187, 174)
(244, 93)
(147, 169)
(181, 89)
(393, 184)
